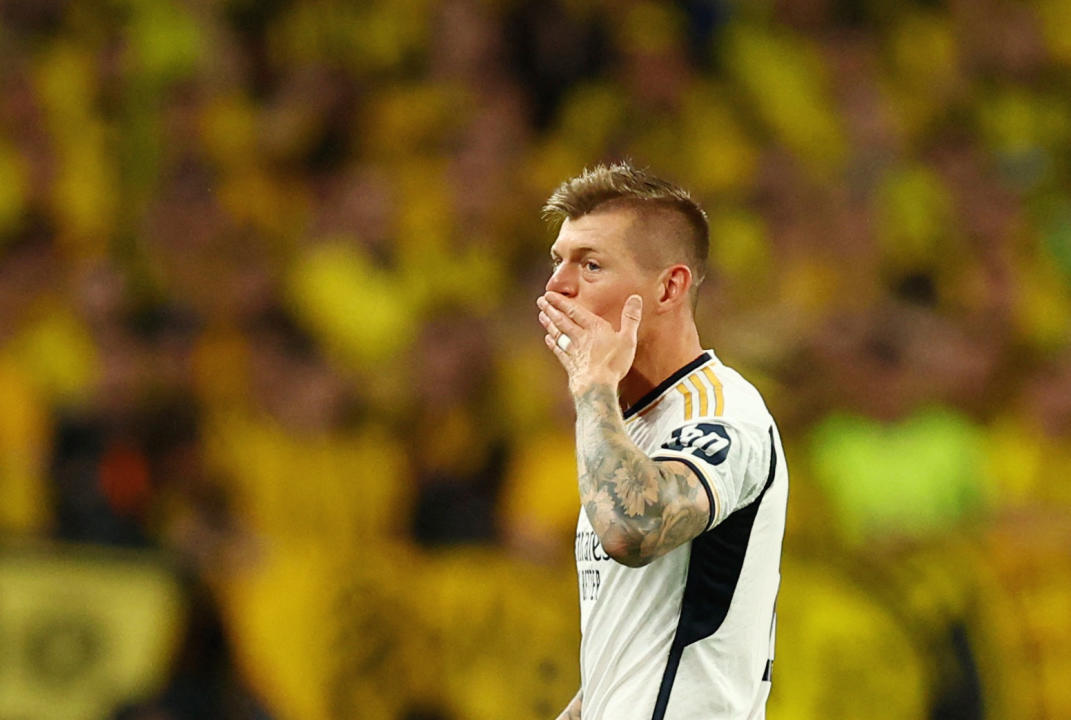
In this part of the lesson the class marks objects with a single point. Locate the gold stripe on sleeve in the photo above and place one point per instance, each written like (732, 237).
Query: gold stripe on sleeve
(694, 378)
(719, 398)
(683, 390)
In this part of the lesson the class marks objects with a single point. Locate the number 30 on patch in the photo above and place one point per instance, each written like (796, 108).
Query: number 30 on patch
(707, 441)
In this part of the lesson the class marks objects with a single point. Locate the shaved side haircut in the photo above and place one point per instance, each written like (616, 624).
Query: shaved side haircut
(663, 211)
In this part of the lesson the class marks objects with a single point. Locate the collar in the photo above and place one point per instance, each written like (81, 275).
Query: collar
(666, 384)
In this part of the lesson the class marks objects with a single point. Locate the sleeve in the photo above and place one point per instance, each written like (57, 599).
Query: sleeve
(731, 460)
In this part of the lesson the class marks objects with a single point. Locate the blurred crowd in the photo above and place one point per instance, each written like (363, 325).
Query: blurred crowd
(267, 326)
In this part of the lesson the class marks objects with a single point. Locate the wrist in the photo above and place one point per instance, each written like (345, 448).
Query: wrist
(586, 387)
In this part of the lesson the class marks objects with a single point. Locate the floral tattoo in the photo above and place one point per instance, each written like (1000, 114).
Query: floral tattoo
(639, 508)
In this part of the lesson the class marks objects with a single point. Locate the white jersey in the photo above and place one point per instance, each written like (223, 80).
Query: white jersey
(690, 636)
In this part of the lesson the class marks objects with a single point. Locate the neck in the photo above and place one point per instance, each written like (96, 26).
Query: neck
(660, 356)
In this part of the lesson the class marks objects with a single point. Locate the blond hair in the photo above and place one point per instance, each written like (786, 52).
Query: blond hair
(659, 204)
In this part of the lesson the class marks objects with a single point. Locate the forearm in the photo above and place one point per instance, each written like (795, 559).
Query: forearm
(572, 711)
(637, 507)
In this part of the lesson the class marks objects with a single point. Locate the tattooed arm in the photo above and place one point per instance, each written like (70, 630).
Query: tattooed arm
(639, 508)
(572, 712)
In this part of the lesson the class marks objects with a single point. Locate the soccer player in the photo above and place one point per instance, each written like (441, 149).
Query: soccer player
(682, 475)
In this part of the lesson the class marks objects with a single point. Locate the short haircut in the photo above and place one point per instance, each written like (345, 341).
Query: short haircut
(657, 202)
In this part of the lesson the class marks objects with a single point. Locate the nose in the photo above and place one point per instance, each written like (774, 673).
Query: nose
(563, 280)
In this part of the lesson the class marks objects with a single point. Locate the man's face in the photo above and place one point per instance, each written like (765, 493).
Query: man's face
(594, 265)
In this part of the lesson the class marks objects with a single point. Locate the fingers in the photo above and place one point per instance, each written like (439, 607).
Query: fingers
(557, 341)
(552, 330)
(567, 309)
(557, 324)
(553, 345)
(630, 316)
(555, 336)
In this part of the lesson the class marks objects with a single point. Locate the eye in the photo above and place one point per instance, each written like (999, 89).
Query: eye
(555, 262)
(592, 265)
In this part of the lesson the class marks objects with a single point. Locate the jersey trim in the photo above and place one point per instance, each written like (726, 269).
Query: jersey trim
(698, 385)
(666, 384)
(719, 395)
(695, 382)
(712, 498)
(717, 559)
(687, 395)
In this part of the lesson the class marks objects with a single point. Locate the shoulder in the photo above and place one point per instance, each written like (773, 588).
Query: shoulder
(741, 400)
(712, 390)
(704, 393)
(719, 426)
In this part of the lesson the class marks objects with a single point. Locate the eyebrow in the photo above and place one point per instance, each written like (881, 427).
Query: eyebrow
(576, 251)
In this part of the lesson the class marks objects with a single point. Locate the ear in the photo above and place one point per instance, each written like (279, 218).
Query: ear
(674, 284)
